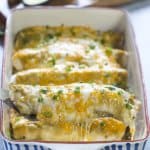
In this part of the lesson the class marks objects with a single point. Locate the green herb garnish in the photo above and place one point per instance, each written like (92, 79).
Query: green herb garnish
(111, 88)
(60, 92)
(49, 37)
(52, 61)
(102, 124)
(68, 68)
(91, 46)
(120, 92)
(129, 106)
(40, 99)
(43, 91)
(47, 114)
(55, 97)
(77, 90)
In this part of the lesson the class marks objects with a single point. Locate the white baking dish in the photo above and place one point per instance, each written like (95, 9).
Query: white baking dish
(100, 19)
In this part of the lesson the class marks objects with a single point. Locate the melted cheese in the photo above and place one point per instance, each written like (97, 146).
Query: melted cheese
(97, 130)
(64, 51)
(75, 102)
(63, 75)
(49, 64)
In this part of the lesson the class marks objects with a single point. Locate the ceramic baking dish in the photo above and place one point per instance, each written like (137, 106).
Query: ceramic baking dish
(99, 19)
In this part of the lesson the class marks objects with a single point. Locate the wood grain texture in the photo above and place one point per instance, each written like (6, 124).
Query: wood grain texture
(97, 3)
(102, 3)
(111, 2)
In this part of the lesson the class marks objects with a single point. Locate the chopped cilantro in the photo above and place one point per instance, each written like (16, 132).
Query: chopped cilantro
(68, 68)
(49, 36)
(77, 90)
(111, 88)
(102, 124)
(120, 92)
(91, 46)
(47, 114)
(55, 97)
(60, 92)
(128, 106)
(52, 61)
(44, 91)
(40, 99)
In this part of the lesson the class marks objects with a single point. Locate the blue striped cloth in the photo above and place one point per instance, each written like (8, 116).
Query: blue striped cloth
(127, 146)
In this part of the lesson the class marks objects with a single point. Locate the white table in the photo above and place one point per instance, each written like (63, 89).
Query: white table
(140, 19)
